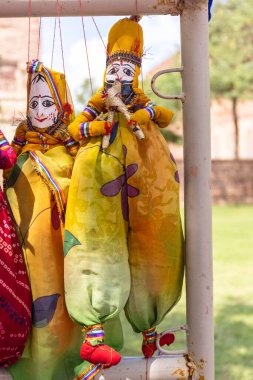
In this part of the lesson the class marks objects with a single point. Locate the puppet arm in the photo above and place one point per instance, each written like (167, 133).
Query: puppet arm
(78, 128)
(63, 136)
(163, 116)
(150, 111)
(95, 128)
(19, 139)
(160, 115)
(70, 144)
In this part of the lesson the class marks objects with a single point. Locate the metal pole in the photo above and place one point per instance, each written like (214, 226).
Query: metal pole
(197, 164)
(40, 8)
(138, 368)
(159, 368)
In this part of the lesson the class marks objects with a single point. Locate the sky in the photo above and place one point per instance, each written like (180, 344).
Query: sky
(161, 40)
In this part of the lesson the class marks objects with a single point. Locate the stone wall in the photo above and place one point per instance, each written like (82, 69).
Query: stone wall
(232, 181)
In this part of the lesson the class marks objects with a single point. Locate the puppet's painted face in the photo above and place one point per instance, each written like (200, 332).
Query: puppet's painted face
(42, 108)
(124, 72)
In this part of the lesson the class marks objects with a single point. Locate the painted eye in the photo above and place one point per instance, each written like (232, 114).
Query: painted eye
(128, 72)
(112, 71)
(33, 104)
(47, 103)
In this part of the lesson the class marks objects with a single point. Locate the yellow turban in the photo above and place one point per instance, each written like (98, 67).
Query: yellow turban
(125, 41)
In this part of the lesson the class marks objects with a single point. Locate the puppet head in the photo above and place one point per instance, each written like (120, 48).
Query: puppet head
(124, 54)
(47, 94)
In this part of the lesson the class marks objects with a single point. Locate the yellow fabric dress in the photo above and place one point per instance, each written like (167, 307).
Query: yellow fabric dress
(37, 190)
(123, 240)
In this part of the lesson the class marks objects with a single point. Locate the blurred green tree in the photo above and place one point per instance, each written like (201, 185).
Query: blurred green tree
(231, 55)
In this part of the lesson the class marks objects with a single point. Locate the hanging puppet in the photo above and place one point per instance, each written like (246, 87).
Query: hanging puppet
(123, 239)
(15, 295)
(37, 190)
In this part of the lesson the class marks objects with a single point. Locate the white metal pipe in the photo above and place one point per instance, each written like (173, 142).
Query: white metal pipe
(162, 72)
(197, 164)
(138, 368)
(4, 374)
(19, 8)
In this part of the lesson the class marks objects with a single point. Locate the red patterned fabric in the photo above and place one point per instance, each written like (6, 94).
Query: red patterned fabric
(7, 157)
(15, 296)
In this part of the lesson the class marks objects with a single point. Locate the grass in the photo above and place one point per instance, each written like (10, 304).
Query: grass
(233, 291)
(233, 296)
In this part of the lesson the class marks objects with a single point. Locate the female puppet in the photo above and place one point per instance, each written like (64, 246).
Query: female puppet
(15, 295)
(37, 191)
(123, 238)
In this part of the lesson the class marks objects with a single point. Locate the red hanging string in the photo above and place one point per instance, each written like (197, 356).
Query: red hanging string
(147, 360)
(38, 51)
(62, 54)
(63, 63)
(99, 33)
(86, 48)
(52, 56)
(29, 29)
(103, 42)
(59, 25)
(137, 14)
(102, 37)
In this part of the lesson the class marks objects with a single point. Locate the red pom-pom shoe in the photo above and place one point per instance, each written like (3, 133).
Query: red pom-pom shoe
(149, 341)
(98, 353)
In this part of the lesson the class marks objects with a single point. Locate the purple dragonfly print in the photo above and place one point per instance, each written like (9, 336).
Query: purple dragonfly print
(112, 188)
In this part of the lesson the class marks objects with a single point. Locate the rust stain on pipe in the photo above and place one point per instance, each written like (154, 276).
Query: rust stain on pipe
(195, 367)
(176, 6)
(180, 372)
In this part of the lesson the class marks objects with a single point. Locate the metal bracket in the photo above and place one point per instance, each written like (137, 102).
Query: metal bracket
(158, 74)
(170, 352)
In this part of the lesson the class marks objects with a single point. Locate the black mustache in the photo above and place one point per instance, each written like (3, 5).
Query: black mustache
(124, 82)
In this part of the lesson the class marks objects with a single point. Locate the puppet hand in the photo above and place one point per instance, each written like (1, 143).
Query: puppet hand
(99, 128)
(140, 117)
(162, 116)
